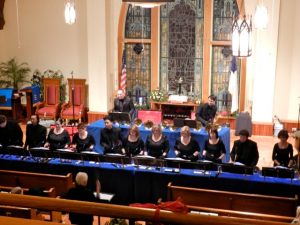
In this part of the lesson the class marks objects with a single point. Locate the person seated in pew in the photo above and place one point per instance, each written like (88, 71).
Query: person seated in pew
(81, 193)
(16, 190)
(245, 150)
(214, 148)
(35, 133)
(186, 147)
(283, 151)
(110, 138)
(58, 137)
(10, 132)
(82, 140)
(157, 144)
(133, 144)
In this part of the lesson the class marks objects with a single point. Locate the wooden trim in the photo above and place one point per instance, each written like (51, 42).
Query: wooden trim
(94, 116)
(262, 129)
(145, 41)
(221, 43)
(207, 48)
(154, 48)
(242, 85)
(121, 27)
(119, 211)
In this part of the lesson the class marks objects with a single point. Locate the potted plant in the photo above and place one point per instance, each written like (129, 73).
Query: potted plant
(13, 74)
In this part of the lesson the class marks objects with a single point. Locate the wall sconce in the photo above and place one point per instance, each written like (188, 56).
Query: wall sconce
(70, 12)
(241, 36)
(261, 17)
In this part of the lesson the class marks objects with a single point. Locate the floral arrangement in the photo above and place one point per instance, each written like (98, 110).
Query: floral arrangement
(157, 96)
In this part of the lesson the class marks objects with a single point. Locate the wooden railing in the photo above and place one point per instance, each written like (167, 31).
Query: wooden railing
(127, 212)
(235, 204)
(61, 183)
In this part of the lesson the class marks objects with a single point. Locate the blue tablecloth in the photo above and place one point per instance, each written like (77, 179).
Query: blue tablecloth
(131, 184)
(96, 127)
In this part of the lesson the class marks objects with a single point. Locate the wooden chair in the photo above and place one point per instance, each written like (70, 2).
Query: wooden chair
(50, 107)
(78, 85)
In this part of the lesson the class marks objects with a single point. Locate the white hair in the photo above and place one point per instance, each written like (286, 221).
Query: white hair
(81, 179)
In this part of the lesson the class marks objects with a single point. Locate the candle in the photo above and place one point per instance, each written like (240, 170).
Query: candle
(191, 87)
(167, 87)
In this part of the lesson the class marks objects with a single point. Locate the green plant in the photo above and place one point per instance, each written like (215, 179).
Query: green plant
(13, 74)
(157, 96)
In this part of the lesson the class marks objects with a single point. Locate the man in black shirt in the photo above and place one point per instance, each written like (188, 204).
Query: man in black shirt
(35, 133)
(110, 138)
(207, 111)
(10, 132)
(245, 150)
(124, 104)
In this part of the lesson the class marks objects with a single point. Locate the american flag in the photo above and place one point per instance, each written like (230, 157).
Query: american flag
(123, 75)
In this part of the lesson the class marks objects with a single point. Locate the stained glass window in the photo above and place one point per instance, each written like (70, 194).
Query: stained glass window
(138, 71)
(138, 22)
(221, 69)
(138, 55)
(224, 11)
(181, 46)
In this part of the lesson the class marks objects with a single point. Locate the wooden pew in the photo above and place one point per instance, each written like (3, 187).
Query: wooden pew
(51, 193)
(20, 212)
(61, 183)
(253, 203)
(18, 221)
(109, 210)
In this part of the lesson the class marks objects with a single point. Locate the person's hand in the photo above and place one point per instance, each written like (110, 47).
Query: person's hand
(46, 145)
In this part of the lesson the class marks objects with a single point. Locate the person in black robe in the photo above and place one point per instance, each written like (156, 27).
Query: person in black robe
(207, 111)
(124, 104)
(35, 133)
(245, 150)
(82, 140)
(10, 132)
(81, 193)
(110, 138)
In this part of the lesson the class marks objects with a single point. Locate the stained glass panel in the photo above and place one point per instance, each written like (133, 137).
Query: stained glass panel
(221, 69)
(224, 11)
(181, 49)
(138, 23)
(138, 71)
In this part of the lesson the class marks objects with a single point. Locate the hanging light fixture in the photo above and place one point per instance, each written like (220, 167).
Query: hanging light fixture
(261, 17)
(70, 12)
(147, 3)
(241, 35)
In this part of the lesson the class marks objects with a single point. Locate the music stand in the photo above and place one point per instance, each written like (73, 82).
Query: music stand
(90, 156)
(178, 122)
(18, 151)
(175, 162)
(148, 161)
(40, 154)
(278, 172)
(120, 117)
(206, 165)
(115, 158)
(239, 169)
(190, 123)
(68, 154)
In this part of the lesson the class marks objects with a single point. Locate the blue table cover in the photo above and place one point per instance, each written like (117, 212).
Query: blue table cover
(96, 127)
(131, 183)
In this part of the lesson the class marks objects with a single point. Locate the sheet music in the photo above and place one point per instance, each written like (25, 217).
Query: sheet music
(64, 150)
(39, 148)
(14, 146)
(238, 164)
(178, 159)
(144, 157)
(113, 154)
(90, 152)
(104, 196)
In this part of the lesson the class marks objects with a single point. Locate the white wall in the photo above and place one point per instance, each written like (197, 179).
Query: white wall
(44, 41)
(286, 98)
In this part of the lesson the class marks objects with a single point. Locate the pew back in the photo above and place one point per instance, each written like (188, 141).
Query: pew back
(61, 183)
(234, 201)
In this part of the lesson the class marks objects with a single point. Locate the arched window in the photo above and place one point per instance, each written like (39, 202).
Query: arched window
(193, 42)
